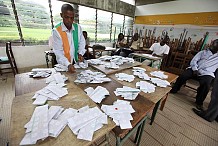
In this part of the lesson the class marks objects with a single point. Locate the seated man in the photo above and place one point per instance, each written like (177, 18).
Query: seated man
(159, 50)
(202, 66)
(88, 48)
(211, 113)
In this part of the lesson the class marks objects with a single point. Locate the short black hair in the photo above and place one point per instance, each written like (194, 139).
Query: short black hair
(66, 7)
(85, 32)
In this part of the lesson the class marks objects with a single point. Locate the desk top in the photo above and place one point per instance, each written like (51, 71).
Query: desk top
(111, 71)
(22, 110)
(144, 56)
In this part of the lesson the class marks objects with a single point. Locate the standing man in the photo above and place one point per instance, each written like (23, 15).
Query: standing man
(68, 40)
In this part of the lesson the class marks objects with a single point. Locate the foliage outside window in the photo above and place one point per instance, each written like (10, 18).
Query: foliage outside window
(35, 20)
(87, 21)
(117, 25)
(103, 26)
(8, 27)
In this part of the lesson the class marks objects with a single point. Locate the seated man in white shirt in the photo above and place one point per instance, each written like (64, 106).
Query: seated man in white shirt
(159, 50)
(68, 41)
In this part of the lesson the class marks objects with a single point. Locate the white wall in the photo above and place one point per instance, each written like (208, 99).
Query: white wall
(179, 6)
(28, 56)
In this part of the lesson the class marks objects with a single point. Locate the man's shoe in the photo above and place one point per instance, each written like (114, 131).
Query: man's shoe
(200, 114)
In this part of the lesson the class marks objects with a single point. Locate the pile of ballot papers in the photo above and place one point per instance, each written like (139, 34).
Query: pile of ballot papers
(86, 122)
(41, 72)
(150, 56)
(159, 74)
(95, 61)
(88, 76)
(145, 86)
(97, 94)
(140, 72)
(83, 64)
(160, 82)
(56, 78)
(50, 92)
(120, 112)
(124, 77)
(127, 92)
(60, 67)
(51, 121)
(111, 65)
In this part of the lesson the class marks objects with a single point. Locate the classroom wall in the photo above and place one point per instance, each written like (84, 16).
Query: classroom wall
(196, 16)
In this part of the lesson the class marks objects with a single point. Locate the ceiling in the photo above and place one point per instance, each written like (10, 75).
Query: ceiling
(145, 2)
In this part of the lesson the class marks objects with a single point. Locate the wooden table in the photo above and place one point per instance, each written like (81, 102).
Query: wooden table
(108, 71)
(22, 109)
(157, 96)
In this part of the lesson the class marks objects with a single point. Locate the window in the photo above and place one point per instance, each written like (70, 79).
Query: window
(87, 21)
(8, 27)
(35, 20)
(118, 24)
(128, 25)
(103, 26)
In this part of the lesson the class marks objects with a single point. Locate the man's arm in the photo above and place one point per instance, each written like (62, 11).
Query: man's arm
(194, 61)
(82, 44)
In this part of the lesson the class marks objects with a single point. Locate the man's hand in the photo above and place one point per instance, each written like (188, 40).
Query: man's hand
(80, 57)
(71, 68)
(195, 72)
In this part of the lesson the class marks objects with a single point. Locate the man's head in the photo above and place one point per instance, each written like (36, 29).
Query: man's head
(136, 36)
(67, 13)
(214, 46)
(120, 36)
(165, 40)
(85, 34)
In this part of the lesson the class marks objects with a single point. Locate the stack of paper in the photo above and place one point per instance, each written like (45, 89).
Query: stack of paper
(140, 72)
(127, 92)
(105, 58)
(159, 74)
(97, 94)
(81, 64)
(111, 65)
(95, 61)
(124, 77)
(88, 76)
(56, 78)
(145, 86)
(86, 122)
(41, 72)
(50, 92)
(150, 56)
(120, 112)
(60, 67)
(159, 82)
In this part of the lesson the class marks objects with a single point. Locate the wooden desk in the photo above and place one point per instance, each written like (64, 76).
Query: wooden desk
(157, 96)
(22, 109)
(108, 71)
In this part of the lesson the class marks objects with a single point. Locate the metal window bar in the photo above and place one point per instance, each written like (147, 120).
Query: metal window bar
(51, 16)
(111, 25)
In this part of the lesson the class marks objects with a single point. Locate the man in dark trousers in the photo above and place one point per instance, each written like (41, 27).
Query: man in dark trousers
(211, 113)
(203, 67)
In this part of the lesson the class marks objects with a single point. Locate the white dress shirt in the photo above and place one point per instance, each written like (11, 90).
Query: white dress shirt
(58, 44)
(160, 50)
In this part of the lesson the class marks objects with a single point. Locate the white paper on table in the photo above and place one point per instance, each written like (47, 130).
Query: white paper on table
(124, 77)
(98, 94)
(145, 86)
(60, 92)
(60, 67)
(159, 74)
(160, 82)
(125, 124)
(95, 61)
(139, 68)
(111, 65)
(40, 100)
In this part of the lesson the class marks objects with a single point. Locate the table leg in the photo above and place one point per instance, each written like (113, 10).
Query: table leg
(154, 111)
(163, 102)
(140, 132)
(118, 141)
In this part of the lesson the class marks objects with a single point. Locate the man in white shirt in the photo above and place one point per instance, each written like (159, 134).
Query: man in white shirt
(159, 50)
(68, 40)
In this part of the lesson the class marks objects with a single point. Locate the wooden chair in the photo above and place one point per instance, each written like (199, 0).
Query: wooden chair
(97, 50)
(8, 62)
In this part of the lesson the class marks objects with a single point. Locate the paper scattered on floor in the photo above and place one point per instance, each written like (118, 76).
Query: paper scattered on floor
(88, 76)
(97, 94)
(124, 77)
(127, 92)
(60, 67)
(140, 72)
(145, 86)
(41, 72)
(83, 64)
(159, 74)
(160, 82)
(120, 112)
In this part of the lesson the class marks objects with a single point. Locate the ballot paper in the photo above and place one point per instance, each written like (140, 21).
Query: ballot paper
(127, 92)
(140, 72)
(159, 74)
(95, 61)
(88, 76)
(41, 72)
(160, 82)
(97, 94)
(60, 67)
(145, 86)
(150, 56)
(111, 65)
(124, 77)
(120, 112)
(105, 58)
(83, 64)
(85, 123)
(56, 78)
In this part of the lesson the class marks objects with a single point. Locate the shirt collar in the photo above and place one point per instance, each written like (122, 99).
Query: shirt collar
(64, 28)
